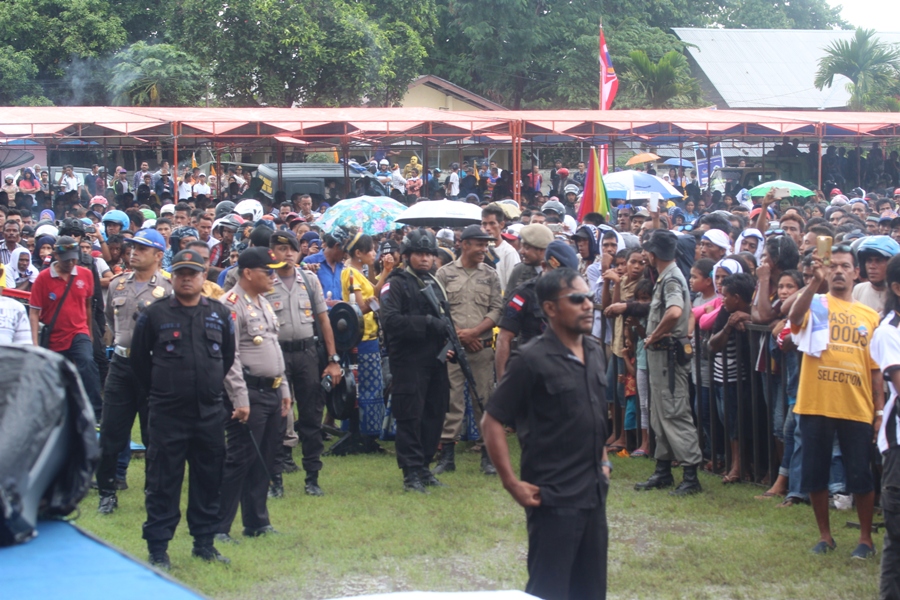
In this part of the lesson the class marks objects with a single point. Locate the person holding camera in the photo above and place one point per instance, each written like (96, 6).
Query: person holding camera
(299, 304)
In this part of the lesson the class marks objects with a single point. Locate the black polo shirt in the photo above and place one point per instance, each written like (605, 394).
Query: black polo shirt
(558, 405)
(522, 315)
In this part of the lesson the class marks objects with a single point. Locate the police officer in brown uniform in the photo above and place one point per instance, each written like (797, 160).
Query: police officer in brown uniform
(299, 304)
(123, 398)
(258, 397)
(476, 300)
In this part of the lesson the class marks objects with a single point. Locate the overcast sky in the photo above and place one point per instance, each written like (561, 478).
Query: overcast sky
(881, 15)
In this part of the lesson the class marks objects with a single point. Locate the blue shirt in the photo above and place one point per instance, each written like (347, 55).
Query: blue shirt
(328, 277)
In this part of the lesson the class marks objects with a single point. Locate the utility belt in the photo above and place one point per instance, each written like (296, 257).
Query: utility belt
(680, 348)
(262, 383)
(299, 345)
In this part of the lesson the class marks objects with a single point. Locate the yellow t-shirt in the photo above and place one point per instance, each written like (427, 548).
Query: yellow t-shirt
(838, 384)
(368, 291)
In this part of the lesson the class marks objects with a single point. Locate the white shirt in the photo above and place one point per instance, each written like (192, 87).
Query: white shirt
(885, 350)
(509, 258)
(201, 188)
(454, 191)
(397, 181)
(184, 190)
(14, 325)
(69, 183)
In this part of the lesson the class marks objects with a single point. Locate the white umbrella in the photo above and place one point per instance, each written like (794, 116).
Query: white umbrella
(619, 184)
(441, 213)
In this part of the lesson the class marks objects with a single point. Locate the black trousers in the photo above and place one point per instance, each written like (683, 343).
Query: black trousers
(178, 439)
(302, 371)
(890, 504)
(123, 399)
(419, 401)
(567, 552)
(245, 480)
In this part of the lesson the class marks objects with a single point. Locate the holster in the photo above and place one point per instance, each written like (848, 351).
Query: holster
(670, 367)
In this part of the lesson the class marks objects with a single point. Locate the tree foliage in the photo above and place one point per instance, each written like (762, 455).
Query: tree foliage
(156, 75)
(871, 65)
(660, 84)
(17, 79)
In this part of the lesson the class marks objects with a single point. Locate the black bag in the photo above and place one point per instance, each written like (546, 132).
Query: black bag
(320, 341)
(44, 335)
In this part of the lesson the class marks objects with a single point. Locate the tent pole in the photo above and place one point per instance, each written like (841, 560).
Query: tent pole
(218, 187)
(819, 129)
(423, 191)
(345, 152)
(279, 156)
(175, 161)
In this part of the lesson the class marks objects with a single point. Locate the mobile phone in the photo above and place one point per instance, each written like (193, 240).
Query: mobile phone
(653, 202)
(781, 192)
(823, 247)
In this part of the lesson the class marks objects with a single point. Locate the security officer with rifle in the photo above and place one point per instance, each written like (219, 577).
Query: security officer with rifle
(475, 299)
(669, 366)
(416, 335)
(123, 395)
(182, 347)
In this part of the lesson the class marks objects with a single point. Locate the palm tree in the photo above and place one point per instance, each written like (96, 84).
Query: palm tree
(871, 65)
(664, 84)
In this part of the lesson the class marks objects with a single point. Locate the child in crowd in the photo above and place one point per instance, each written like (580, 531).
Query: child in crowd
(643, 294)
(701, 283)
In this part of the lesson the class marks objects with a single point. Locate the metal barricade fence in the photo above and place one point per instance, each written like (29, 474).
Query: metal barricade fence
(757, 393)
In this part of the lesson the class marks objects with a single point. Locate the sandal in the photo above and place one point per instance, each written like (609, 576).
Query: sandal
(623, 453)
(790, 501)
(638, 453)
(731, 479)
(614, 449)
(767, 495)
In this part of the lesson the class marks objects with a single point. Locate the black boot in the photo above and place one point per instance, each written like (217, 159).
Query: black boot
(661, 478)
(312, 484)
(487, 467)
(287, 464)
(428, 479)
(690, 484)
(203, 548)
(276, 486)
(447, 461)
(108, 504)
(412, 482)
(159, 558)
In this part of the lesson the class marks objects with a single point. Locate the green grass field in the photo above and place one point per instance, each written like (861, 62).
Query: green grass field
(368, 536)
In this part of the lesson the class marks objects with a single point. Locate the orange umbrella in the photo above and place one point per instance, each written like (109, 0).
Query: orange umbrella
(643, 157)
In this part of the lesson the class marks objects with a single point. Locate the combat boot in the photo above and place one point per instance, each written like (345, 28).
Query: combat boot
(276, 486)
(487, 467)
(428, 479)
(108, 504)
(661, 478)
(690, 484)
(447, 462)
(412, 482)
(209, 554)
(288, 464)
(160, 560)
(312, 484)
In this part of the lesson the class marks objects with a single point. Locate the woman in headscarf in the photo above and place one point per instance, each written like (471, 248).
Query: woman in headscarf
(43, 252)
(20, 268)
(752, 241)
(588, 245)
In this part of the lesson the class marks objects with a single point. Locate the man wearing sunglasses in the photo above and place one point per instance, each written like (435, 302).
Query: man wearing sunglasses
(554, 391)
(258, 396)
(667, 323)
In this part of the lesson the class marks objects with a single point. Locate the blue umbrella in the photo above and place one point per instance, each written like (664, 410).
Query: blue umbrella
(371, 214)
(679, 162)
(619, 184)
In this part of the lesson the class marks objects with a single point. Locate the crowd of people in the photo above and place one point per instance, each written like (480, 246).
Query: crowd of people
(222, 307)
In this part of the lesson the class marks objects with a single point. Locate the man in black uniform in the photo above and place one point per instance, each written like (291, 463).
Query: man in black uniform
(523, 318)
(415, 335)
(181, 350)
(554, 392)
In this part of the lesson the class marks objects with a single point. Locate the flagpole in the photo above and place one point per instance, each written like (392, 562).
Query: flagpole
(600, 61)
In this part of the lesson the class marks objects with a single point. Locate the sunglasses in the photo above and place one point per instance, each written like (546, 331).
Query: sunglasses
(265, 270)
(66, 247)
(775, 232)
(575, 299)
(688, 227)
(841, 248)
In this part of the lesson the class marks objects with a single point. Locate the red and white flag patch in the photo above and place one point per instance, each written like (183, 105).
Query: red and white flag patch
(517, 302)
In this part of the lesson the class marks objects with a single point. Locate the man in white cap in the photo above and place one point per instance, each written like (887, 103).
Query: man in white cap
(383, 174)
(715, 245)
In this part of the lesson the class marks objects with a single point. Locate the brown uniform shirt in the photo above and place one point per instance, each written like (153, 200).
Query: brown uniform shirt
(126, 298)
(256, 345)
(297, 307)
(474, 294)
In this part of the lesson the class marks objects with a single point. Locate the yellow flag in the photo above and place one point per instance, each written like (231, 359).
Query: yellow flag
(193, 160)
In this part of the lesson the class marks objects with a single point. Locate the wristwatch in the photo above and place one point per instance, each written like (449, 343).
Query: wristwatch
(607, 464)
(334, 358)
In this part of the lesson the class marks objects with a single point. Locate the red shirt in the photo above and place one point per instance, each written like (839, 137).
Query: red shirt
(46, 293)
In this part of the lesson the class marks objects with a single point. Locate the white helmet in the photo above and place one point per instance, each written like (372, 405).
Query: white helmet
(249, 207)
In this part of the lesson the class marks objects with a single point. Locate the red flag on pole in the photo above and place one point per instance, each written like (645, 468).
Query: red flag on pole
(609, 83)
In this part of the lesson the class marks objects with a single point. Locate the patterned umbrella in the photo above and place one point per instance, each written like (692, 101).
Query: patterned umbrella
(370, 214)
